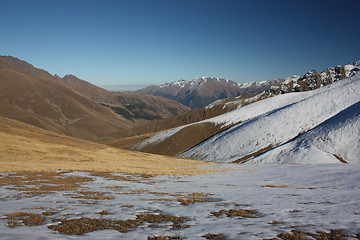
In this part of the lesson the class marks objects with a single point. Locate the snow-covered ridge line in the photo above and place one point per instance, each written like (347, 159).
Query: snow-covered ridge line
(335, 73)
(299, 113)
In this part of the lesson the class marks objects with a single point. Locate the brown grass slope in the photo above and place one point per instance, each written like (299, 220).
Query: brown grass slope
(35, 97)
(184, 139)
(133, 106)
(27, 148)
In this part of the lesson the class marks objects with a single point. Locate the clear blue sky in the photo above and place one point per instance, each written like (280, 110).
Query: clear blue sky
(144, 42)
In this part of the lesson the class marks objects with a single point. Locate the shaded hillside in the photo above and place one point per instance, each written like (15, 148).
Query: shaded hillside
(36, 97)
(27, 148)
(130, 105)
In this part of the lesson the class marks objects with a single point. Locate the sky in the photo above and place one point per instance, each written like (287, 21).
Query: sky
(129, 44)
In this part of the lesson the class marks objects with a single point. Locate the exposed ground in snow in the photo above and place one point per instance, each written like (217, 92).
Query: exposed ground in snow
(251, 202)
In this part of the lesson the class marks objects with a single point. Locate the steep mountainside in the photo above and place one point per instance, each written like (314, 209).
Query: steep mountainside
(133, 106)
(36, 97)
(333, 141)
(265, 130)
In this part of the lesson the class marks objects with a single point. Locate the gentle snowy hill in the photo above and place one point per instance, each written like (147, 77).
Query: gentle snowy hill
(272, 126)
(336, 139)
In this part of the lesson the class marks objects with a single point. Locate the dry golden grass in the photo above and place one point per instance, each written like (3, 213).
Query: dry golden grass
(275, 186)
(81, 226)
(27, 148)
(246, 213)
(302, 235)
(164, 237)
(90, 195)
(37, 183)
(28, 219)
(128, 142)
(192, 198)
(213, 236)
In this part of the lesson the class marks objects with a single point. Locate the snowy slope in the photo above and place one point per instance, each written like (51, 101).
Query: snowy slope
(332, 141)
(233, 117)
(274, 126)
(286, 197)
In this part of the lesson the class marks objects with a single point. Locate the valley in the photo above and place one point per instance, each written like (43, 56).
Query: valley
(275, 162)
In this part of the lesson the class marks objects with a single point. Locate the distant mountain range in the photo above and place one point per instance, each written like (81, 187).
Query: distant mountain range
(202, 91)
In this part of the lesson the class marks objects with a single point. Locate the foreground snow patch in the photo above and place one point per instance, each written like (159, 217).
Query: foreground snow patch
(275, 198)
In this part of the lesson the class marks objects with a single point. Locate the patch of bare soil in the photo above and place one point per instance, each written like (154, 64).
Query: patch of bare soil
(245, 213)
(164, 237)
(36, 183)
(275, 186)
(301, 235)
(213, 236)
(21, 218)
(244, 158)
(340, 158)
(104, 212)
(275, 222)
(133, 178)
(90, 195)
(184, 139)
(192, 198)
(84, 225)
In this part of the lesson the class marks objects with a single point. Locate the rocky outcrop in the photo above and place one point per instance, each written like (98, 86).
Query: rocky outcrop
(313, 80)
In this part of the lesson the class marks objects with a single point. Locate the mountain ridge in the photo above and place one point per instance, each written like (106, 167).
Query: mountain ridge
(73, 106)
(173, 138)
(202, 91)
(130, 105)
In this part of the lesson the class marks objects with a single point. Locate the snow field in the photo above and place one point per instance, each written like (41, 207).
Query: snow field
(306, 197)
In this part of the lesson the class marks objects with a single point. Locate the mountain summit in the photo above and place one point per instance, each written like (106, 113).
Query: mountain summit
(202, 91)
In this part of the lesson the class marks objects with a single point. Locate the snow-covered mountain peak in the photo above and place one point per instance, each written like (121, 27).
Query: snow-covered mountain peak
(205, 79)
(179, 83)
